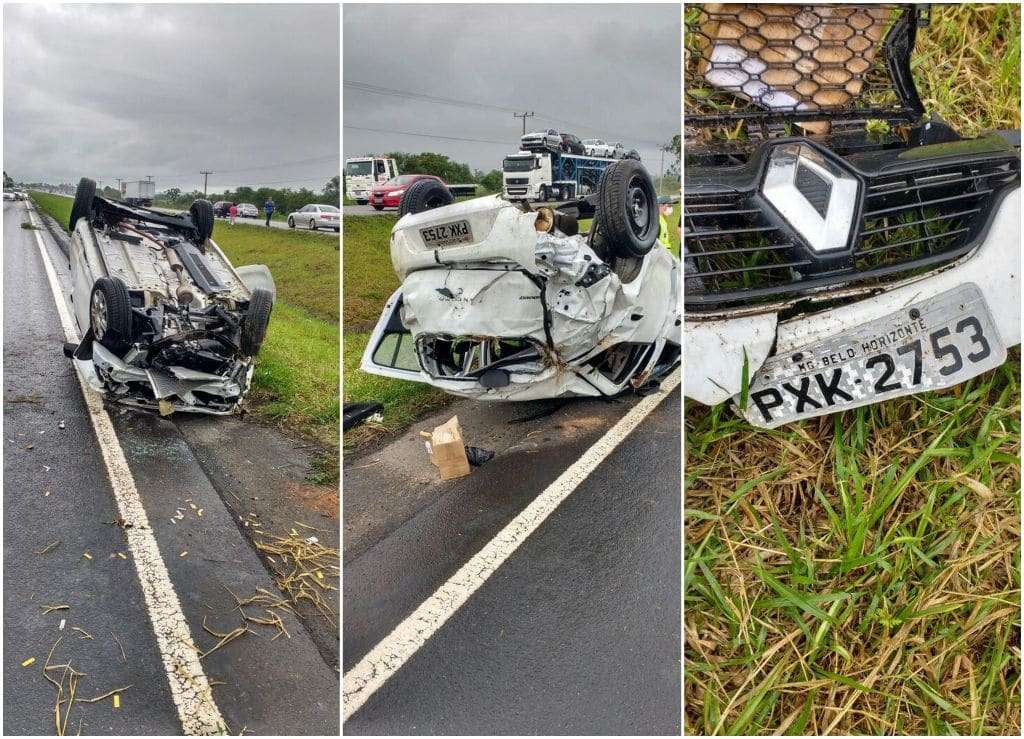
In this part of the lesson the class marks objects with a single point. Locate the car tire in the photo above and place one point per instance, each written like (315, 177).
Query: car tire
(255, 322)
(312, 225)
(424, 195)
(110, 314)
(542, 194)
(201, 212)
(291, 222)
(378, 207)
(627, 210)
(83, 202)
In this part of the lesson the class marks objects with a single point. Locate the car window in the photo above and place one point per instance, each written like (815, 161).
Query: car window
(328, 209)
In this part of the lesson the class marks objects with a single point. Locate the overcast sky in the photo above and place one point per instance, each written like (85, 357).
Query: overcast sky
(599, 71)
(248, 91)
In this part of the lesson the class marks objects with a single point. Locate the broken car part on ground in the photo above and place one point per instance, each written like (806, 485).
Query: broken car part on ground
(845, 249)
(500, 301)
(167, 322)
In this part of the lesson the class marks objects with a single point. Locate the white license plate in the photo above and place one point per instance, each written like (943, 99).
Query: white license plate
(933, 344)
(447, 234)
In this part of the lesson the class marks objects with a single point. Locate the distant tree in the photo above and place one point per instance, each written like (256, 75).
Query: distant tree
(673, 147)
(171, 194)
(492, 181)
(333, 186)
(428, 162)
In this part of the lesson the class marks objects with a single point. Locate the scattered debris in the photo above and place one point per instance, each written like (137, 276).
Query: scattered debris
(353, 414)
(55, 607)
(124, 657)
(28, 662)
(62, 622)
(446, 449)
(67, 695)
(48, 548)
(295, 562)
(82, 633)
(478, 457)
(87, 555)
(183, 554)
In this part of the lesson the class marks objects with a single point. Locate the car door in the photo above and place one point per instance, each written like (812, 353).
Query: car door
(391, 351)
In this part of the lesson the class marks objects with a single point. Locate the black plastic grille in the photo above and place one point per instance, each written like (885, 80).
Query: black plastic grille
(767, 63)
(737, 252)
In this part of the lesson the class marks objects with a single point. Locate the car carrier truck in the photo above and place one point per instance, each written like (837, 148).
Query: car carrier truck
(540, 176)
(138, 192)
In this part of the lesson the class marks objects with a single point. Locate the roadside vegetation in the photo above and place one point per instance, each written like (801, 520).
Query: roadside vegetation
(860, 573)
(296, 381)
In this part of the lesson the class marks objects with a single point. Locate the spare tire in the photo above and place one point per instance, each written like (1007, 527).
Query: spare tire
(83, 202)
(201, 212)
(424, 195)
(255, 321)
(110, 314)
(627, 209)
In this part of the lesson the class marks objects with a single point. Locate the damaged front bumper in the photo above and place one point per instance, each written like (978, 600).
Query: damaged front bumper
(165, 390)
(717, 346)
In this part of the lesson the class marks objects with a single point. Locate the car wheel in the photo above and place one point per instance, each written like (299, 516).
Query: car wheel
(542, 194)
(378, 207)
(255, 321)
(291, 222)
(424, 195)
(110, 314)
(83, 201)
(627, 210)
(312, 225)
(201, 213)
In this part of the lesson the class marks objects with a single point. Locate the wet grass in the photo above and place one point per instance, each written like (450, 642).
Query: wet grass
(296, 381)
(857, 573)
(860, 573)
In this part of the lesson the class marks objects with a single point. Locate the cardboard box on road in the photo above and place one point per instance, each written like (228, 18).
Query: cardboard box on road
(447, 450)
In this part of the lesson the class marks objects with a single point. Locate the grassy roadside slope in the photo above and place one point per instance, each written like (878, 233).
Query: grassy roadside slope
(296, 379)
(860, 573)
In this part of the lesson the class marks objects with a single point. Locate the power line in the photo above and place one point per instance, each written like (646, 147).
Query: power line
(390, 91)
(524, 115)
(428, 135)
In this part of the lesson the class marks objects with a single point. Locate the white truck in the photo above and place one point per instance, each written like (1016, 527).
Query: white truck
(362, 173)
(138, 192)
(540, 176)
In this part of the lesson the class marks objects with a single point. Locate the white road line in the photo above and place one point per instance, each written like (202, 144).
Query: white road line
(190, 688)
(387, 657)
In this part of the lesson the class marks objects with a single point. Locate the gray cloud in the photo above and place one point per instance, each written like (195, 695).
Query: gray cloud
(605, 71)
(127, 91)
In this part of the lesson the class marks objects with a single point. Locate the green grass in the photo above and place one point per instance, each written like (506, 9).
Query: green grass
(296, 380)
(860, 573)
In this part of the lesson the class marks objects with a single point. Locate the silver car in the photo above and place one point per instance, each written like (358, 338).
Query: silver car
(248, 210)
(597, 148)
(315, 216)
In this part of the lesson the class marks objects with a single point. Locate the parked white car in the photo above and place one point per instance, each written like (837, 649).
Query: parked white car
(248, 210)
(502, 301)
(315, 216)
(618, 150)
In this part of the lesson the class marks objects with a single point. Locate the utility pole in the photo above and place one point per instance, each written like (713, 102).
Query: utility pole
(205, 174)
(119, 180)
(524, 115)
(661, 172)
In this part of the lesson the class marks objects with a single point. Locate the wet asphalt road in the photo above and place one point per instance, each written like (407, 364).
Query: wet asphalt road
(577, 633)
(56, 490)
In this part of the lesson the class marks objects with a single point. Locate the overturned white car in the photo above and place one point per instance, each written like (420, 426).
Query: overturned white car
(502, 302)
(167, 322)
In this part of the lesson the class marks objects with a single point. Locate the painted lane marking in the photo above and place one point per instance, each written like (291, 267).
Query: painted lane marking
(387, 657)
(190, 689)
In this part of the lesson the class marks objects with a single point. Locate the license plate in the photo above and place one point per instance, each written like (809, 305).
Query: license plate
(447, 234)
(929, 345)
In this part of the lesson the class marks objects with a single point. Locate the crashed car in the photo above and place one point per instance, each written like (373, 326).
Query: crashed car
(499, 301)
(167, 323)
(845, 248)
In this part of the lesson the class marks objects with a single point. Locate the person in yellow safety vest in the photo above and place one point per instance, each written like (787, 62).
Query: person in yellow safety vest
(664, 211)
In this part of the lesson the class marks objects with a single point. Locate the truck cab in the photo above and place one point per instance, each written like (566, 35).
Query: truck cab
(362, 173)
(526, 175)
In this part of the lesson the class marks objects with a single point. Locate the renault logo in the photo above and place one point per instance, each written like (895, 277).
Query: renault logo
(817, 198)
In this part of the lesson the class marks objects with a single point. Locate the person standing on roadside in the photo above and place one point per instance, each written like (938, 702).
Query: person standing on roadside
(233, 213)
(268, 208)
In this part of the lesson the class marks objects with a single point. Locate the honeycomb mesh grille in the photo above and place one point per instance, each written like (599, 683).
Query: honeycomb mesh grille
(787, 63)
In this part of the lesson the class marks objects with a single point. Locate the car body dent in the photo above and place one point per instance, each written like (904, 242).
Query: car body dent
(515, 283)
